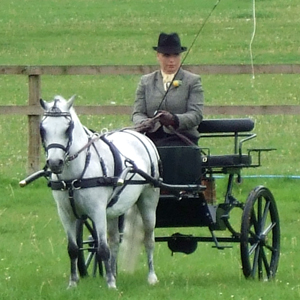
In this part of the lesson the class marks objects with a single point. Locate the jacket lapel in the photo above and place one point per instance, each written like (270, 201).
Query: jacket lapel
(159, 82)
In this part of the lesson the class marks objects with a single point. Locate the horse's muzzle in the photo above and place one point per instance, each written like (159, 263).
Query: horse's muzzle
(56, 166)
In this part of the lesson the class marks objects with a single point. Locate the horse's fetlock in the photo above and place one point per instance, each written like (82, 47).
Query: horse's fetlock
(103, 252)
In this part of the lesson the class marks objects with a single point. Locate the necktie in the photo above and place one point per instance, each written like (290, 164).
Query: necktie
(167, 79)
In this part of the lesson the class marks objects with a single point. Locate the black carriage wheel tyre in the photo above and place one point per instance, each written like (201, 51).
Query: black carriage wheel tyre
(87, 249)
(260, 235)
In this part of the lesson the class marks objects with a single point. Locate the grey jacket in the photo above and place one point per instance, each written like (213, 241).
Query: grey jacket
(185, 101)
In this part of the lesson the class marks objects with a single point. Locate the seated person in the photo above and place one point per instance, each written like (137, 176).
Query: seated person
(173, 96)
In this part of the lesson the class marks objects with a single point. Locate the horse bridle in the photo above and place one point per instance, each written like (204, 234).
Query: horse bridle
(56, 114)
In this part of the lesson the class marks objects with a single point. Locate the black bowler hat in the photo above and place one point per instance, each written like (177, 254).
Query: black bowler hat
(169, 44)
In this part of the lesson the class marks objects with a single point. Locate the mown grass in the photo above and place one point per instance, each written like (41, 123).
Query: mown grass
(33, 256)
(34, 260)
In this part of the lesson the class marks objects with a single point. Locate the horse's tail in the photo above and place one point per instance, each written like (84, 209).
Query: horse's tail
(133, 237)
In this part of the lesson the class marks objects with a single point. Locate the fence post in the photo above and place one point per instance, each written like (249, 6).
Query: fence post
(34, 144)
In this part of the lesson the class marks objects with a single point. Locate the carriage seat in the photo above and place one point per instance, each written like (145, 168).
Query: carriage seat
(235, 128)
(186, 164)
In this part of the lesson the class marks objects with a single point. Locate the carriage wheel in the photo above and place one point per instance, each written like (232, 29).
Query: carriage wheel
(260, 235)
(87, 243)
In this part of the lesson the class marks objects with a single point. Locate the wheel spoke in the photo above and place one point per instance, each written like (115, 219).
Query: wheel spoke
(269, 228)
(95, 266)
(265, 214)
(265, 261)
(255, 260)
(252, 234)
(254, 221)
(260, 264)
(253, 248)
(89, 259)
(259, 211)
(272, 249)
(88, 226)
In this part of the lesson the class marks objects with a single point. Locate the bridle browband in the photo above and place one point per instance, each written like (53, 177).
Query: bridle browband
(56, 112)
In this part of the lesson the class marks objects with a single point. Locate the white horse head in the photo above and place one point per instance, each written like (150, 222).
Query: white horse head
(56, 130)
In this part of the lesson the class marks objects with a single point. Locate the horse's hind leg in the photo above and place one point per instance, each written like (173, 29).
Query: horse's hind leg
(113, 241)
(147, 210)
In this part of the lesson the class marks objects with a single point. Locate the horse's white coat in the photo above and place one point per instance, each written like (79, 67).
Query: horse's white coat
(93, 201)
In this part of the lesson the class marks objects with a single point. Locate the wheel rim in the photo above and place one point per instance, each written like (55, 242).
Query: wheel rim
(260, 235)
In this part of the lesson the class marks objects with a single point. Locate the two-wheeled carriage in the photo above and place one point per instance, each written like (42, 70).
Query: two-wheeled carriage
(188, 199)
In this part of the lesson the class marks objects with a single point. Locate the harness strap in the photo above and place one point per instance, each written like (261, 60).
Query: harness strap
(54, 145)
(116, 155)
(72, 203)
(83, 183)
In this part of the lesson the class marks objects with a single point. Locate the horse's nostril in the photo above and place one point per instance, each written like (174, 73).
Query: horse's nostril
(56, 166)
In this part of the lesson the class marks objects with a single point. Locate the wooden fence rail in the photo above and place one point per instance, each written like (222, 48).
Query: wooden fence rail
(34, 73)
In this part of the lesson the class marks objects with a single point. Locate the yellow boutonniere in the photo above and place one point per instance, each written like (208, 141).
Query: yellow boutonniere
(177, 83)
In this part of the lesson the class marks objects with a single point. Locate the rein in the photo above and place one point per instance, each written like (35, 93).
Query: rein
(91, 141)
(142, 127)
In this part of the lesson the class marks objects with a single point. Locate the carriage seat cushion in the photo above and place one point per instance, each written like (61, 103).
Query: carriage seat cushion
(181, 164)
(226, 125)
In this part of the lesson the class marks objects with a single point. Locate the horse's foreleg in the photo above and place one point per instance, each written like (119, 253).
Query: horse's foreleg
(73, 254)
(69, 224)
(103, 252)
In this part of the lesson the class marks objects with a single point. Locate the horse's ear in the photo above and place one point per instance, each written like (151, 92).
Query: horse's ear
(43, 104)
(71, 101)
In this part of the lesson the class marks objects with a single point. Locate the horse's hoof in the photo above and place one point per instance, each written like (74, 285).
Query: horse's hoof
(72, 285)
(112, 286)
(152, 279)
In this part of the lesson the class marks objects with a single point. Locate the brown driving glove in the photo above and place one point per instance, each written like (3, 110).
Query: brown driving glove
(168, 119)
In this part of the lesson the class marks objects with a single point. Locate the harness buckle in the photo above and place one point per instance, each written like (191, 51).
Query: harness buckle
(73, 184)
(64, 186)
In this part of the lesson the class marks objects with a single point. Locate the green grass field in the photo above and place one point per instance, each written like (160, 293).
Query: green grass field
(33, 257)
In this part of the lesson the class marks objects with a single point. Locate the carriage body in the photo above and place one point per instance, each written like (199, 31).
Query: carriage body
(258, 231)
